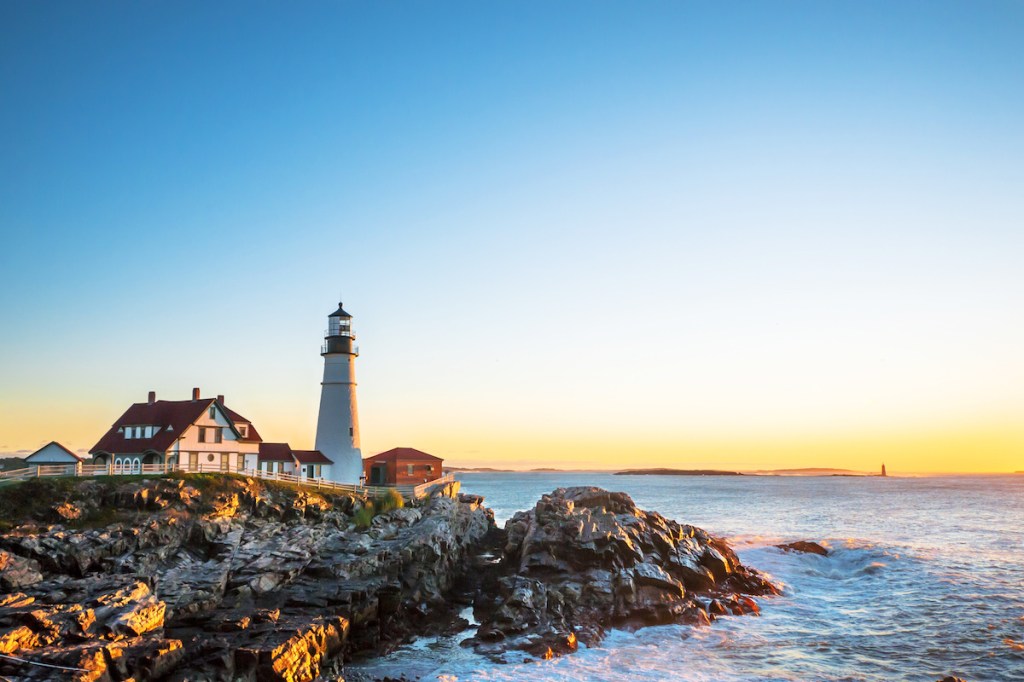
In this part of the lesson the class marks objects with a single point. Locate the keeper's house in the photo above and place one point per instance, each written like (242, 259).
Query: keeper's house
(53, 454)
(401, 466)
(200, 434)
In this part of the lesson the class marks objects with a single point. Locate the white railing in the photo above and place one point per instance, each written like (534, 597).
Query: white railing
(424, 489)
(407, 491)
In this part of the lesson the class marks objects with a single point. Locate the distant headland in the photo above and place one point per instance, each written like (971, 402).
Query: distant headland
(677, 472)
(814, 471)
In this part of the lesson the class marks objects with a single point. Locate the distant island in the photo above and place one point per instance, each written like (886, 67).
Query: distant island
(676, 472)
(487, 470)
(808, 471)
(812, 471)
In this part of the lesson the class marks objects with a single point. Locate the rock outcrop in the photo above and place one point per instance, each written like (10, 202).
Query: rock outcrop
(804, 547)
(585, 559)
(218, 577)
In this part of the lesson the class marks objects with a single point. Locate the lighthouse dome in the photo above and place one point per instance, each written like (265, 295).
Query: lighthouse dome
(340, 312)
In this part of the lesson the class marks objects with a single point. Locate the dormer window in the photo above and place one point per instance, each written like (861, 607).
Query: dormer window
(127, 432)
(244, 430)
(138, 432)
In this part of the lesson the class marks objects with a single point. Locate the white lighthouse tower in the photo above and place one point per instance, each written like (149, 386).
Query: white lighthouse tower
(337, 427)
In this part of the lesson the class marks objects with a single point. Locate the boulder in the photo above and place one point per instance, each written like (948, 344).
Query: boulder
(805, 547)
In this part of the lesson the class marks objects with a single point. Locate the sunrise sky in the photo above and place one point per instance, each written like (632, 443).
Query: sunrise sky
(583, 234)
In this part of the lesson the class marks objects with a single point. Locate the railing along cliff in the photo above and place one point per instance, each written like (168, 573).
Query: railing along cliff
(408, 492)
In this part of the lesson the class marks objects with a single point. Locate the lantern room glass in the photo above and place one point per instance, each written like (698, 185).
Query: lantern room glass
(339, 326)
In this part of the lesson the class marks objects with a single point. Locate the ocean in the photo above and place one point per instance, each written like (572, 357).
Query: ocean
(925, 579)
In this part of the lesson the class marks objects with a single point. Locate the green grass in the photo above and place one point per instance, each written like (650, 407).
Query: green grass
(385, 502)
(33, 499)
(364, 517)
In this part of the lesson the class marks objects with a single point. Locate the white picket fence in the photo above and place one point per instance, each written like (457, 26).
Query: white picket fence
(409, 492)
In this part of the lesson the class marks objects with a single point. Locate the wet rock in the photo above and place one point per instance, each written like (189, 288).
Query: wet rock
(804, 546)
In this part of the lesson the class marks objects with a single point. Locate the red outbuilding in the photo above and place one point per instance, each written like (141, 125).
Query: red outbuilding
(401, 466)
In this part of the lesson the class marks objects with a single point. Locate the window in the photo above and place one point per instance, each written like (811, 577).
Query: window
(225, 461)
(316, 471)
(202, 434)
(218, 434)
(127, 432)
(430, 468)
(138, 432)
(351, 431)
(244, 430)
(213, 412)
(409, 468)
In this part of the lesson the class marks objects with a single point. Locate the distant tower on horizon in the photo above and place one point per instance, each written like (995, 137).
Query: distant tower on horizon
(337, 426)
(883, 470)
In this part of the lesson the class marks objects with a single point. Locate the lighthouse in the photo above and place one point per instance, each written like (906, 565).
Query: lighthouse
(337, 427)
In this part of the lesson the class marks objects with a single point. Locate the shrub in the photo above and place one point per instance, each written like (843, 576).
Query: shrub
(364, 517)
(392, 499)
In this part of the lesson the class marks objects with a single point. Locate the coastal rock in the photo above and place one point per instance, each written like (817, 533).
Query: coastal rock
(585, 559)
(16, 571)
(805, 547)
(220, 577)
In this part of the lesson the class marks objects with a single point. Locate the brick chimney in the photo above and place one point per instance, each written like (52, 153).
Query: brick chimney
(152, 397)
(195, 394)
(220, 399)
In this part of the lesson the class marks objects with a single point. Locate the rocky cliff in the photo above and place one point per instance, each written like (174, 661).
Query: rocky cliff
(585, 559)
(217, 577)
(220, 577)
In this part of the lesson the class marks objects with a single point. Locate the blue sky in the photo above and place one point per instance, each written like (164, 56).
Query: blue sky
(627, 225)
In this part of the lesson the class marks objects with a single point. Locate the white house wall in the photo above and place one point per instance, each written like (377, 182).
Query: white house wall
(50, 454)
(188, 442)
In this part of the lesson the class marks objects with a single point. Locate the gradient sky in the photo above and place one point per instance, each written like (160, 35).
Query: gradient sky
(589, 234)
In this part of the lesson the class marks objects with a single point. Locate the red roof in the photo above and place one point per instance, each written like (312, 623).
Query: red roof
(176, 414)
(251, 435)
(396, 454)
(310, 457)
(275, 452)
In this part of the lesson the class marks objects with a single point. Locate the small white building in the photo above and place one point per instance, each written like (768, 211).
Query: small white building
(54, 454)
(201, 434)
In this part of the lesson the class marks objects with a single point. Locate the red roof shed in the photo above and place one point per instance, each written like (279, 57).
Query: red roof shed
(401, 466)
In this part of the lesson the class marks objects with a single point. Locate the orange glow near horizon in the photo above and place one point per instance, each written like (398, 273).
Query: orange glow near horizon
(484, 436)
(995, 446)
